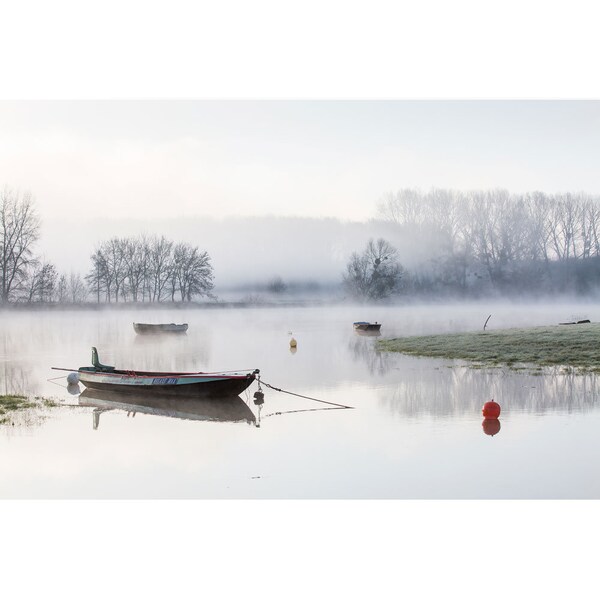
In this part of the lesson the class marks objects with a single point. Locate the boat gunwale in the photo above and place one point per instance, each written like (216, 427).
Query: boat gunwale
(154, 375)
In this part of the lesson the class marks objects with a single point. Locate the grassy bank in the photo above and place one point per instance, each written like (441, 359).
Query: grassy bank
(12, 403)
(575, 346)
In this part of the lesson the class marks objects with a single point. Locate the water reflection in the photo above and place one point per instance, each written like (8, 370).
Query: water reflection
(73, 389)
(365, 351)
(230, 409)
(151, 350)
(491, 426)
(363, 333)
(16, 380)
(445, 391)
(20, 422)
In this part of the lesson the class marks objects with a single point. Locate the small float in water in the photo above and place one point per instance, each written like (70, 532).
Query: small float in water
(153, 328)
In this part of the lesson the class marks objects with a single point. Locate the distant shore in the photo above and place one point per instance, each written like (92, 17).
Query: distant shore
(575, 346)
(94, 306)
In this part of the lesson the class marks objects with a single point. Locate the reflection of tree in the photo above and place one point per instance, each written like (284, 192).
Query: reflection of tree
(462, 390)
(15, 380)
(16, 422)
(168, 352)
(363, 349)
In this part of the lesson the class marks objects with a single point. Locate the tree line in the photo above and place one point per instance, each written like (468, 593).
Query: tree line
(493, 241)
(137, 269)
(149, 269)
(438, 242)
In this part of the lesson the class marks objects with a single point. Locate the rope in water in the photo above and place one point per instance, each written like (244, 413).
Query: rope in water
(287, 412)
(276, 389)
(53, 381)
(301, 396)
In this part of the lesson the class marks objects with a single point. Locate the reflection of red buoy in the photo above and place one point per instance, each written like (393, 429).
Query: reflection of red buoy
(490, 426)
(491, 410)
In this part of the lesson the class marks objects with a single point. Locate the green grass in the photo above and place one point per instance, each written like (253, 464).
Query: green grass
(12, 403)
(576, 346)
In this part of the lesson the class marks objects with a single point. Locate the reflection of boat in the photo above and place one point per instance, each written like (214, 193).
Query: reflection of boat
(228, 409)
(160, 327)
(206, 385)
(366, 326)
(368, 332)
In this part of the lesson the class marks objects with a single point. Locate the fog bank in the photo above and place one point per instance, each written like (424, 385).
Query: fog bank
(243, 250)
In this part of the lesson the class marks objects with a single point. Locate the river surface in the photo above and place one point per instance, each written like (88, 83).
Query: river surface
(415, 429)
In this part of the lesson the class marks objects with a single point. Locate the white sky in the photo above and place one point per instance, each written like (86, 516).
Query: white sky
(171, 158)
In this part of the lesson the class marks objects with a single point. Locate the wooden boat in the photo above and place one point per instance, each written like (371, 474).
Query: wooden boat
(580, 322)
(231, 409)
(160, 327)
(203, 385)
(366, 326)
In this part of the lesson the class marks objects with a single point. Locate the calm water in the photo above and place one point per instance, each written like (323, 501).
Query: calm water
(415, 430)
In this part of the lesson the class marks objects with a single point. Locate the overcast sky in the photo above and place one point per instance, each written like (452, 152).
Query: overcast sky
(159, 159)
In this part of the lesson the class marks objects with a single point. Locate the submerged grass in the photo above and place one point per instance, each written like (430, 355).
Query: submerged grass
(576, 346)
(12, 403)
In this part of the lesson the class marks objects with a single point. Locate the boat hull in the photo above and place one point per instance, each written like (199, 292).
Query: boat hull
(152, 328)
(168, 384)
(367, 326)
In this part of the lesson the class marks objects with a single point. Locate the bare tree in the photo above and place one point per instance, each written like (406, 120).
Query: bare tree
(160, 265)
(199, 275)
(42, 283)
(62, 289)
(98, 278)
(375, 273)
(276, 285)
(19, 230)
(77, 291)
(114, 254)
(405, 207)
(134, 266)
(191, 273)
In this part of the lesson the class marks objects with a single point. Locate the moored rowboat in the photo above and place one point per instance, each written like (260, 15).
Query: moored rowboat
(366, 326)
(203, 385)
(160, 327)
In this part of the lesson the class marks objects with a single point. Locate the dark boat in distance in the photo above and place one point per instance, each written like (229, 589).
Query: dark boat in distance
(580, 322)
(198, 385)
(229, 409)
(366, 326)
(160, 327)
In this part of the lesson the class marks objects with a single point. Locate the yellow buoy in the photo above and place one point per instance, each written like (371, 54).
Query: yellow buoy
(293, 343)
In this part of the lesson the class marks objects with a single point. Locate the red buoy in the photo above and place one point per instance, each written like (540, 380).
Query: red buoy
(490, 426)
(491, 410)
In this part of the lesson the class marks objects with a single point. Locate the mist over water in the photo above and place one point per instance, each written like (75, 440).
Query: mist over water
(415, 430)
(243, 250)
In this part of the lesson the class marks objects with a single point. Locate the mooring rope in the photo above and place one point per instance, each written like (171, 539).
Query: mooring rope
(287, 412)
(53, 381)
(301, 396)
